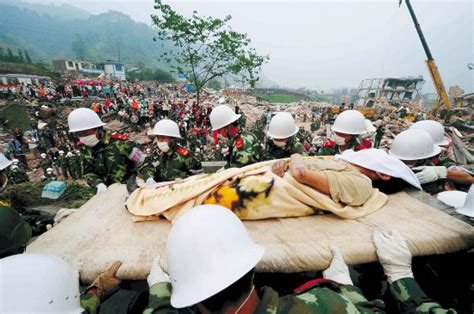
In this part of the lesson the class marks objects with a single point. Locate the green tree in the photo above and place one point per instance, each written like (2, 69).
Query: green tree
(78, 46)
(214, 84)
(207, 48)
(10, 56)
(27, 57)
(21, 59)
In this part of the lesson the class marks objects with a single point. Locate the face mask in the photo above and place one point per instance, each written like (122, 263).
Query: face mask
(340, 141)
(163, 146)
(90, 140)
(279, 144)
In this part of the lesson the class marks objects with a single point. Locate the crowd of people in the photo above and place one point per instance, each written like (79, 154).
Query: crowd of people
(181, 134)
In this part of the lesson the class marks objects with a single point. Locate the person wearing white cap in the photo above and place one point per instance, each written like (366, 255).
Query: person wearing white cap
(244, 148)
(416, 148)
(281, 138)
(45, 163)
(108, 158)
(348, 128)
(350, 179)
(173, 160)
(211, 261)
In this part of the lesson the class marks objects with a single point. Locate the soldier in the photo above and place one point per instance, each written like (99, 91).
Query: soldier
(244, 148)
(50, 175)
(222, 282)
(17, 175)
(75, 164)
(174, 161)
(347, 128)
(281, 138)
(64, 165)
(416, 148)
(108, 158)
(45, 163)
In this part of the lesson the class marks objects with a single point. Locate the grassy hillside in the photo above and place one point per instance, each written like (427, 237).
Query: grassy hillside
(93, 37)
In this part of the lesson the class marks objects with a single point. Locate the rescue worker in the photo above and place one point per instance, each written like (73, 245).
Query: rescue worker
(347, 127)
(222, 282)
(281, 138)
(75, 160)
(64, 165)
(17, 175)
(45, 163)
(416, 148)
(108, 158)
(174, 161)
(50, 175)
(244, 148)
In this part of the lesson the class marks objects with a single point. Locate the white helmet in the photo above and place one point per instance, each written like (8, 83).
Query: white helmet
(49, 169)
(4, 162)
(282, 126)
(43, 155)
(61, 152)
(208, 249)
(165, 127)
(350, 122)
(13, 167)
(413, 144)
(37, 283)
(222, 116)
(468, 207)
(69, 154)
(434, 128)
(369, 126)
(15, 161)
(82, 119)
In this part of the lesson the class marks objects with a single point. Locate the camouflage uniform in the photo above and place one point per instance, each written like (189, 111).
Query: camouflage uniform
(113, 160)
(75, 166)
(317, 296)
(293, 146)
(244, 150)
(65, 168)
(45, 163)
(180, 163)
(330, 148)
(18, 175)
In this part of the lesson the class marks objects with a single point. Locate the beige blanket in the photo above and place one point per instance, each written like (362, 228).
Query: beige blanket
(101, 231)
(254, 192)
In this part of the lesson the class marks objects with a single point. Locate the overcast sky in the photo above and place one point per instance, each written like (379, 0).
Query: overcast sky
(331, 44)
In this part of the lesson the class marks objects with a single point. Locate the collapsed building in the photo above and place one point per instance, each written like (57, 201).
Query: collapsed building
(393, 91)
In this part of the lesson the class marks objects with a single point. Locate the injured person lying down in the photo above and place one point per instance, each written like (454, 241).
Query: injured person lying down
(351, 185)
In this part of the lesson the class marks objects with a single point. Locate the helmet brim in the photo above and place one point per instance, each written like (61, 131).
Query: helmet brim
(186, 295)
(346, 132)
(436, 151)
(237, 117)
(89, 128)
(280, 137)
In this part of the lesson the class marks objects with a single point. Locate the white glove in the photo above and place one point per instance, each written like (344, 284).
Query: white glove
(338, 270)
(393, 254)
(150, 181)
(429, 174)
(101, 188)
(157, 274)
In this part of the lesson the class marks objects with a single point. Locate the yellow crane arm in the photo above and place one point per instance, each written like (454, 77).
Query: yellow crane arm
(438, 84)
